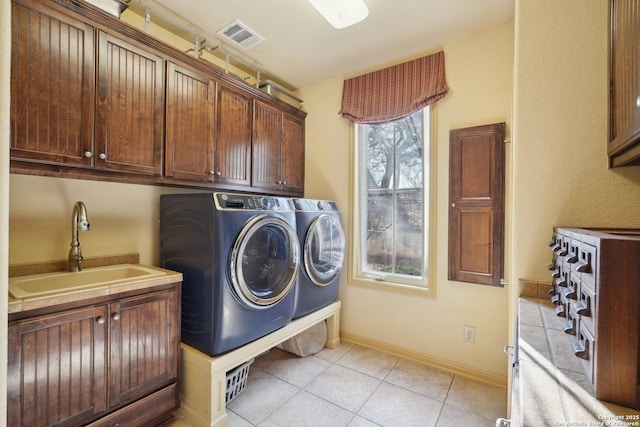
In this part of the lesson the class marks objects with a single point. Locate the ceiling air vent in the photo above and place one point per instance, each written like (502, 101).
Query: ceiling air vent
(241, 35)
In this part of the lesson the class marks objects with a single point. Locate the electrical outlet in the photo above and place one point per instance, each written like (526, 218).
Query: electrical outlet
(469, 334)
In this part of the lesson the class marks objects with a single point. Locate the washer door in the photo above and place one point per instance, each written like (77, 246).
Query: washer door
(324, 250)
(264, 261)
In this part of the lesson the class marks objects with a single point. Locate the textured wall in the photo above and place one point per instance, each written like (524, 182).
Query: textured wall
(561, 175)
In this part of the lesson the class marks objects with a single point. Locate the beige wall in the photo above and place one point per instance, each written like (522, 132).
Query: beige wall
(561, 175)
(479, 74)
(124, 218)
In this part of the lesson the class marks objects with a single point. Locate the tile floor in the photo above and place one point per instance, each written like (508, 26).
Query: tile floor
(358, 387)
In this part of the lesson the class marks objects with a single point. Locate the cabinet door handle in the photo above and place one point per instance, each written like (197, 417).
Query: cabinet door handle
(583, 268)
(102, 156)
(100, 320)
(116, 316)
(569, 327)
(580, 349)
(88, 154)
(572, 259)
(582, 309)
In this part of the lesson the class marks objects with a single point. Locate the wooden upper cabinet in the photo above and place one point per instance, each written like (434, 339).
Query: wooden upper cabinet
(233, 137)
(292, 154)
(267, 140)
(52, 86)
(278, 150)
(93, 98)
(476, 204)
(57, 368)
(624, 74)
(189, 124)
(129, 111)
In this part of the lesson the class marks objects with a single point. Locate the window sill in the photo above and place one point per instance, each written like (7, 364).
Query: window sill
(425, 291)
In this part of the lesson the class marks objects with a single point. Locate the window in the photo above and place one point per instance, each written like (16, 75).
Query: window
(391, 222)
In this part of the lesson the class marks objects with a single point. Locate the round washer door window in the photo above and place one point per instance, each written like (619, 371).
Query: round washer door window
(264, 261)
(324, 250)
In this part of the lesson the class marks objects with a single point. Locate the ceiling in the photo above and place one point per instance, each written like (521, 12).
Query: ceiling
(301, 48)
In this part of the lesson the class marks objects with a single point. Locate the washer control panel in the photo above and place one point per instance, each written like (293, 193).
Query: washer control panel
(228, 201)
(311, 205)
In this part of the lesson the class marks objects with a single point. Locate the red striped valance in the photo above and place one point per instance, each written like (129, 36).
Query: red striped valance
(394, 92)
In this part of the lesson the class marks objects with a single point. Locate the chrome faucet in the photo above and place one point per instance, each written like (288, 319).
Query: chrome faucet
(80, 223)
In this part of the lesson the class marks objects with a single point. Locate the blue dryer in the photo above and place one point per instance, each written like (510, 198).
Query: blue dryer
(239, 256)
(322, 251)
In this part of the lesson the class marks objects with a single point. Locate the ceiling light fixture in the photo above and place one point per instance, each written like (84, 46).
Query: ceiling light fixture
(341, 13)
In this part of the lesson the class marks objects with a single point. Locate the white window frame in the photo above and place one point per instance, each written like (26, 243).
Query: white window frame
(356, 273)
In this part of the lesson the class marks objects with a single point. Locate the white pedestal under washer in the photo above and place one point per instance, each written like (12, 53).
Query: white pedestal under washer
(322, 243)
(239, 256)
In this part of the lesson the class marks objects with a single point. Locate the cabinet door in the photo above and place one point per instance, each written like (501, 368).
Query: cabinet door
(476, 204)
(52, 86)
(624, 108)
(189, 124)
(292, 154)
(56, 371)
(233, 137)
(129, 116)
(144, 345)
(267, 140)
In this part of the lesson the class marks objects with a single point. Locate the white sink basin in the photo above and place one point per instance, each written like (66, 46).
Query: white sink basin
(54, 283)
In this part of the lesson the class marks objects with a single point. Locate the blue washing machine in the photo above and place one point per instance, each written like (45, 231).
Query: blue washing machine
(322, 243)
(239, 256)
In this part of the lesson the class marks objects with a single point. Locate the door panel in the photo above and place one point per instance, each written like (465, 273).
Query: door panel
(129, 118)
(233, 137)
(267, 139)
(476, 204)
(143, 343)
(52, 87)
(189, 129)
(57, 371)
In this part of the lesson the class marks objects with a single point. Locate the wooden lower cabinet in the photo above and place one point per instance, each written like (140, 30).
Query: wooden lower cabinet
(113, 363)
(595, 289)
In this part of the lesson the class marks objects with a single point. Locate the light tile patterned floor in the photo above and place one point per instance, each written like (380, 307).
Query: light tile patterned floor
(354, 386)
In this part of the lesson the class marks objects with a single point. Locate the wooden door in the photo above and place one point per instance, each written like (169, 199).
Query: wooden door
(52, 86)
(189, 124)
(129, 112)
(292, 154)
(233, 137)
(476, 204)
(267, 140)
(57, 372)
(624, 100)
(144, 345)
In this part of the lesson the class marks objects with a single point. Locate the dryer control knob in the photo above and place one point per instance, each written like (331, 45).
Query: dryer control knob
(265, 202)
(320, 205)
